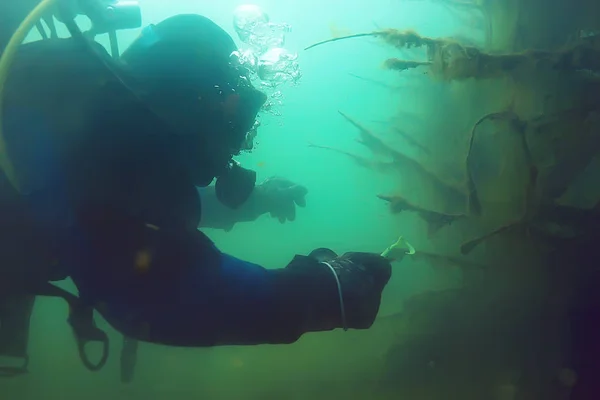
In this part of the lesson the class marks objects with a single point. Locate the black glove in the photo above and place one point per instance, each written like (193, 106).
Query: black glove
(362, 278)
(279, 197)
(309, 289)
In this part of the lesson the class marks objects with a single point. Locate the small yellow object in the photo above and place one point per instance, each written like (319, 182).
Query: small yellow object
(398, 249)
(143, 259)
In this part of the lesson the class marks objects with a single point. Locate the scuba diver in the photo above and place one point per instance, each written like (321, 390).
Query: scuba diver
(108, 155)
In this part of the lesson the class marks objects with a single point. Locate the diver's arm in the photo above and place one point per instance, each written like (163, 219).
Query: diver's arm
(218, 216)
(277, 196)
(188, 293)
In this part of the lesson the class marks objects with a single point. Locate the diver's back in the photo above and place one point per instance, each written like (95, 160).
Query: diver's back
(51, 87)
(43, 102)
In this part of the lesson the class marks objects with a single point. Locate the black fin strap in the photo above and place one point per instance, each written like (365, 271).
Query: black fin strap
(81, 319)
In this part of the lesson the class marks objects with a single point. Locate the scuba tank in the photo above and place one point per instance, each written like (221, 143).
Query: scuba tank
(26, 266)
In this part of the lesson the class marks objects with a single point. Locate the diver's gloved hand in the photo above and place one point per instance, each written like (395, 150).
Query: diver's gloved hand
(309, 289)
(362, 278)
(279, 197)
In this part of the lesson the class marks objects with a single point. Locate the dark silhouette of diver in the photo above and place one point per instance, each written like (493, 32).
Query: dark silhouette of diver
(109, 165)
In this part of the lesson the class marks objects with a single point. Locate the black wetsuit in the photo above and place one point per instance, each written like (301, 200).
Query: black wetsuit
(120, 214)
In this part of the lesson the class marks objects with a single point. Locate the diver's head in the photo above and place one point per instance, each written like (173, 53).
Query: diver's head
(186, 71)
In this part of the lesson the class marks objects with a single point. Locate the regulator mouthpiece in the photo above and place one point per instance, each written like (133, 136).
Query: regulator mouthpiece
(235, 185)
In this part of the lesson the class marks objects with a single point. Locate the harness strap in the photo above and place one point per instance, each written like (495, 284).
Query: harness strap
(81, 319)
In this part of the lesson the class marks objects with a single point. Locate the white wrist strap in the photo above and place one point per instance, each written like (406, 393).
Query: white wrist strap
(339, 286)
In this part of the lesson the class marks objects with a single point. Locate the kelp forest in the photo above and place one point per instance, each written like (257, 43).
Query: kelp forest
(512, 176)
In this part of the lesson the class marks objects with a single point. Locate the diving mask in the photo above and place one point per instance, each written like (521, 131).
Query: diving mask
(242, 118)
(235, 185)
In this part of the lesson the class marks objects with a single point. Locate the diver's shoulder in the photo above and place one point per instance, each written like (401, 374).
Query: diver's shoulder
(46, 67)
(57, 49)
